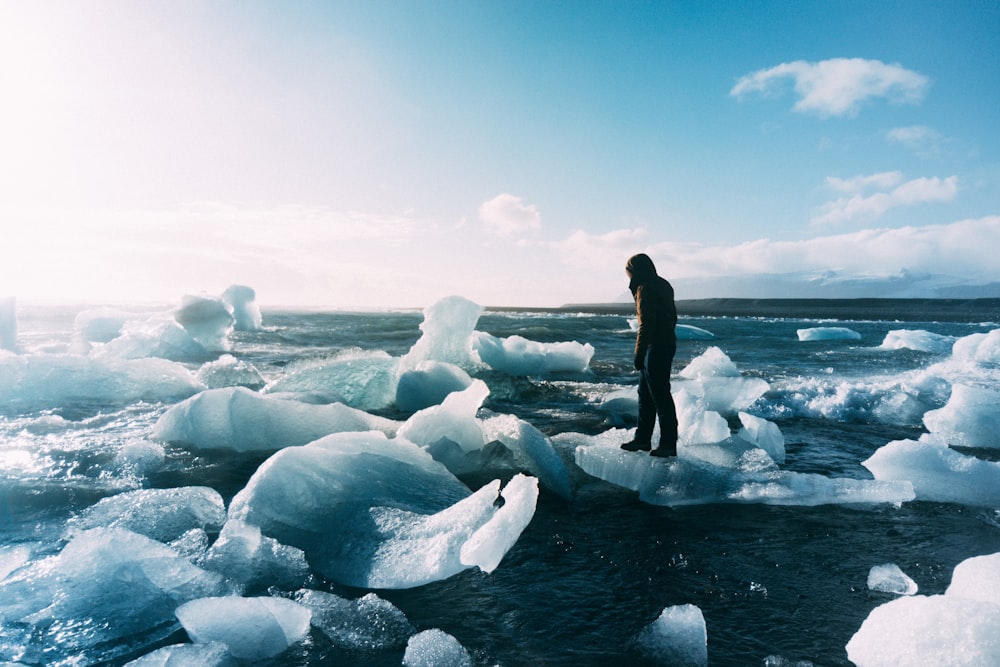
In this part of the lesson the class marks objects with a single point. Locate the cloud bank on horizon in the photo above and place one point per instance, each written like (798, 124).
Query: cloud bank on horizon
(362, 160)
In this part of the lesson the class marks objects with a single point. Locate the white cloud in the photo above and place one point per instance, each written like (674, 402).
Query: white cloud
(838, 86)
(922, 140)
(892, 194)
(506, 214)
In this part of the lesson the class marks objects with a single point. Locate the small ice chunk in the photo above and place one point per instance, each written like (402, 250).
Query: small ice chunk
(488, 545)
(435, 648)
(254, 560)
(428, 384)
(251, 628)
(361, 379)
(888, 578)
(162, 514)
(717, 383)
(827, 333)
(228, 371)
(532, 450)
(212, 654)
(366, 624)
(763, 434)
(140, 456)
(242, 302)
(678, 637)
(453, 420)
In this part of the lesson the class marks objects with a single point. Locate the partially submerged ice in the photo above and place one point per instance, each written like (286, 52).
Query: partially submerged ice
(366, 624)
(519, 356)
(251, 628)
(889, 578)
(732, 470)
(377, 513)
(161, 514)
(960, 628)
(434, 648)
(678, 637)
(937, 472)
(106, 588)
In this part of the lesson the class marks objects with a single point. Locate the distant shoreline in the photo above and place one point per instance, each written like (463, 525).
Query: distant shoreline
(906, 310)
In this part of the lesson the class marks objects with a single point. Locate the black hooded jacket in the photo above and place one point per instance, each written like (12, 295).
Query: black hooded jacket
(654, 305)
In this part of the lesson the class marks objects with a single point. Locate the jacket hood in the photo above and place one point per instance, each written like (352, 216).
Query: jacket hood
(640, 268)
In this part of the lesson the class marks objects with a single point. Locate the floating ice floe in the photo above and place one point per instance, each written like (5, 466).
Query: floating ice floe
(713, 378)
(377, 513)
(970, 418)
(918, 340)
(105, 586)
(937, 472)
(827, 333)
(360, 379)
(365, 625)
(428, 383)
(678, 637)
(960, 628)
(733, 470)
(161, 514)
(433, 648)
(242, 420)
(453, 435)
(519, 356)
(888, 578)
(38, 381)
(251, 628)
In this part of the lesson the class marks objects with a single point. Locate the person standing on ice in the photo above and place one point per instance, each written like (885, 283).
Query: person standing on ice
(655, 345)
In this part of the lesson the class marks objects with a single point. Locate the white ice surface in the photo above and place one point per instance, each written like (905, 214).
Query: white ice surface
(428, 383)
(251, 628)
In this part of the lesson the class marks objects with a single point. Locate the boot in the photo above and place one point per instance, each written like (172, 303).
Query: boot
(636, 445)
(665, 451)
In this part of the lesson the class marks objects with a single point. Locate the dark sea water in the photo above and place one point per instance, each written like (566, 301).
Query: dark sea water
(590, 572)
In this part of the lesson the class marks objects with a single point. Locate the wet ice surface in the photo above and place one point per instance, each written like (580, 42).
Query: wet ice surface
(229, 470)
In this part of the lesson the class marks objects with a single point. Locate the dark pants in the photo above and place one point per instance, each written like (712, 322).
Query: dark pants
(655, 400)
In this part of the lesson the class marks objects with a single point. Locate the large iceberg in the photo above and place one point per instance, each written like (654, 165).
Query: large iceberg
(377, 513)
(242, 420)
(960, 628)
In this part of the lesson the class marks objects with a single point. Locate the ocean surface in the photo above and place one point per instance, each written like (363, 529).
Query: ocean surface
(779, 577)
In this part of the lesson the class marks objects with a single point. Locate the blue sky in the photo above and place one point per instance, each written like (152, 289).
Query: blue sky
(386, 154)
